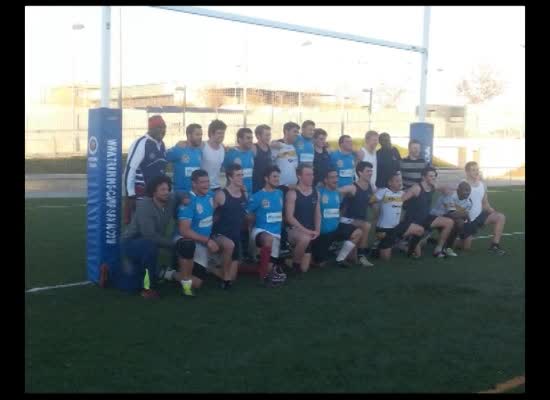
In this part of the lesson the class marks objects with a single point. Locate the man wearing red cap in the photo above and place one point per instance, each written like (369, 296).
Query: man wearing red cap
(146, 159)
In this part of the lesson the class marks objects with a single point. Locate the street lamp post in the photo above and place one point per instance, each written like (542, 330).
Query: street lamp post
(75, 27)
(370, 104)
(304, 44)
(184, 90)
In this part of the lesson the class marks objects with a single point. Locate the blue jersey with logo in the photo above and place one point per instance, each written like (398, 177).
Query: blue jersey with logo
(343, 163)
(185, 160)
(304, 149)
(330, 209)
(268, 207)
(199, 210)
(246, 160)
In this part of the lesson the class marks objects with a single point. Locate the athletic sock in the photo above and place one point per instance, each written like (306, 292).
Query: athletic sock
(438, 249)
(186, 283)
(296, 266)
(265, 254)
(169, 274)
(412, 244)
(347, 247)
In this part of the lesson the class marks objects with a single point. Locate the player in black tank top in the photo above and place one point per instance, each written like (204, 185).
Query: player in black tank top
(303, 216)
(304, 209)
(262, 158)
(354, 207)
(418, 218)
(228, 220)
(418, 208)
(229, 217)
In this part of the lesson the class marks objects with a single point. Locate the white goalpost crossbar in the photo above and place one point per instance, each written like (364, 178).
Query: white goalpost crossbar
(423, 50)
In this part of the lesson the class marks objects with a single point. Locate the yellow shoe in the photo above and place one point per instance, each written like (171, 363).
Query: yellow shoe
(187, 289)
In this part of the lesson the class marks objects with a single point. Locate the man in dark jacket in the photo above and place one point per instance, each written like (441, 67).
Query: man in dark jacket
(388, 160)
(146, 232)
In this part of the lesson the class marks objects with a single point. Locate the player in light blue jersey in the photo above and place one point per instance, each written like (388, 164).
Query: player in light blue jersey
(186, 159)
(192, 235)
(343, 161)
(332, 230)
(304, 143)
(243, 155)
(266, 206)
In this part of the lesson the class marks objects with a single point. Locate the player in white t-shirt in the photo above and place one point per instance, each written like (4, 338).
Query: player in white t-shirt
(284, 154)
(368, 153)
(481, 213)
(388, 228)
(213, 152)
(455, 205)
(285, 157)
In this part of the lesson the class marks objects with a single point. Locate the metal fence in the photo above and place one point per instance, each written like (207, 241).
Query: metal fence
(74, 185)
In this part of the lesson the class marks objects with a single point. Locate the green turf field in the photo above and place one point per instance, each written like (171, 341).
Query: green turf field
(429, 325)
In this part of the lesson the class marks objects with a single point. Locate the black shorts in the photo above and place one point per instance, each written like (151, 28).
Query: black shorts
(200, 272)
(471, 228)
(185, 248)
(236, 249)
(392, 235)
(320, 246)
(427, 223)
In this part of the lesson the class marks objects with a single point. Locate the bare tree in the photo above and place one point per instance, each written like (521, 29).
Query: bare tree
(212, 96)
(483, 84)
(389, 96)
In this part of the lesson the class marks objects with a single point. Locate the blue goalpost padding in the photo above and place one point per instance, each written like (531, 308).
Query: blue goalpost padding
(424, 133)
(104, 171)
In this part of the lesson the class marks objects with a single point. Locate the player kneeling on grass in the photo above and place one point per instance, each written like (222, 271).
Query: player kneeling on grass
(266, 206)
(481, 214)
(419, 198)
(331, 228)
(355, 205)
(456, 206)
(193, 241)
(229, 217)
(388, 228)
(146, 232)
(303, 217)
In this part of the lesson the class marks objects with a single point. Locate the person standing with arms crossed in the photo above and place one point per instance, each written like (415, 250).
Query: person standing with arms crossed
(146, 160)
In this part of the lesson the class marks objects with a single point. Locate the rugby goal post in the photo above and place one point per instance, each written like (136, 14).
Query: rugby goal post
(105, 135)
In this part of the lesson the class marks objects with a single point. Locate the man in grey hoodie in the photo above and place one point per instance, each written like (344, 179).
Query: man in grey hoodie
(146, 232)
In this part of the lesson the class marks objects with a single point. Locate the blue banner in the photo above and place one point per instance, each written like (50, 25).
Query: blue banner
(424, 133)
(104, 193)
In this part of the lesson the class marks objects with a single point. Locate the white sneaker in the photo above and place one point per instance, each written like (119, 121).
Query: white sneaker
(450, 252)
(364, 262)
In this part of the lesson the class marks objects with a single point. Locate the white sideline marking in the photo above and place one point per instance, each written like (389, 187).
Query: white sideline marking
(504, 234)
(56, 206)
(89, 282)
(39, 289)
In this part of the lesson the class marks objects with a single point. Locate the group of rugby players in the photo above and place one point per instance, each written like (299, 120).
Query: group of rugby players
(292, 196)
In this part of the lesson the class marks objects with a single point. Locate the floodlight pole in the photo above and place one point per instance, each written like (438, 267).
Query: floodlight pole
(424, 67)
(105, 56)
